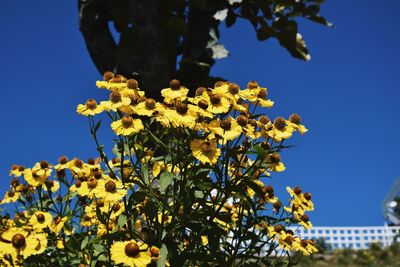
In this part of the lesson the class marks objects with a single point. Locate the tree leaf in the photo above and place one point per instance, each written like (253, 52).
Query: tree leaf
(166, 178)
(163, 256)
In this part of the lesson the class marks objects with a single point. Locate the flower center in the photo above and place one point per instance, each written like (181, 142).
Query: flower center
(181, 108)
(127, 122)
(155, 252)
(206, 147)
(132, 84)
(278, 228)
(108, 75)
(225, 124)
(132, 249)
(307, 196)
(262, 94)
(111, 187)
(242, 120)
(280, 123)
(11, 193)
(57, 220)
(304, 243)
(150, 103)
(44, 164)
(294, 118)
(175, 84)
(63, 160)
(115, 97)
(252, 85)
(200, 91)
(274, 158)
(78, 163)
(91, 104)
(288, 240)
(92, 183)
(233, 88)
(297, 190)
(21, 168)
(116, 207)
(18, 241)
(203, 104)
(305, 218)
(263, 119)
(215, 99)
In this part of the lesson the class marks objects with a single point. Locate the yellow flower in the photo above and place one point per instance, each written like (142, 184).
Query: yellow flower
(111, 191)
(175, 92)
(130, 253)
(78, 167)
(113, 82)
(16, 170)
(205, 151)
(274, 163)
(228, 129)
(40, 220)
(281, 130)
(17, 241)
(147, 107)
(10, 196)
(90, 108)
(51, 185)
(127, 126)
(307, 247)
(287, 241)
(33, 178)
(184, 116)
(57, 224)
(116, 101)
(295, 123)
(89, 188)
(62, 163)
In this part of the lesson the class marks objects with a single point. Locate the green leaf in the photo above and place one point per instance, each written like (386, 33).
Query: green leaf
(166, 178)
(145, 173)
(122, 219)
(115, 150)
(85, 241)
(163, 256)
(261, 153)
(98, 249)
(97, 126)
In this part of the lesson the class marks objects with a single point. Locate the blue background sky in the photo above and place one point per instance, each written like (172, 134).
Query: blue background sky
(347, 94)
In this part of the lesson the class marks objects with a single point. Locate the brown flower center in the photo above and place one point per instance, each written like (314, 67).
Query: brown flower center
(63, 160)
(57, 220)
(278, 228)
(108, 75)
(111, 187)
(155, 252)
(263, 119)
(40, 217)
(280, 123)
(92, 182)
(127, 122)
(303, 243)
(115, 97)
(11, 193)
(252, 85)
(116, 207)
(132, 84)
(91, 104)
(150, 103)
(215, 99)
(14, 167)
(206, 147)
(242, 120)
(132, 249)
(18, 241)
(49, 183)
(141, 99)
(297, 190)
(203, 104)
(181, 108)
(44, 164)
(233, 88)
(78, 163)
(294, 118)
(200, 91)
(175, 84)
(288, 240)
(262, 94)
(305, 218)
(274, 158)
(307, 196)
(268, 189)
(277, 205)
(21, 168)
(225, 124)
(118, 79)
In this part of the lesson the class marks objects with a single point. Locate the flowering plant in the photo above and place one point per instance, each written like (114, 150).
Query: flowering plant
(188, 186)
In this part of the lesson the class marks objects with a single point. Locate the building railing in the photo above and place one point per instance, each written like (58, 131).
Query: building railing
(352, 237)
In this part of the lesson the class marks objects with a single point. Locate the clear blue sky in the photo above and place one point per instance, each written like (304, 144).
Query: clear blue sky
(347, 94)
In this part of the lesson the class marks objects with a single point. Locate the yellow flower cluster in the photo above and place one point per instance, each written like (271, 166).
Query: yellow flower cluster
(202, 157)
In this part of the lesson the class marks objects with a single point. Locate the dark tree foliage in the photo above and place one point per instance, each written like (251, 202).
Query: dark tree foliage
(164, 39)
